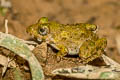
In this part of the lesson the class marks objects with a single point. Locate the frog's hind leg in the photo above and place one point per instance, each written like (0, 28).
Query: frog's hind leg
(91, 50)
(91, 58)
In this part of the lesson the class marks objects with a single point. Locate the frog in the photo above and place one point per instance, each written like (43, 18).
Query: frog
(69, 39)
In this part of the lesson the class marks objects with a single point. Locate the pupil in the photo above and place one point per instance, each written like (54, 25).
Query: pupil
(42, 30)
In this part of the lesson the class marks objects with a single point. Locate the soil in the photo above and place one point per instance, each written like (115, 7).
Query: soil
(104, 13)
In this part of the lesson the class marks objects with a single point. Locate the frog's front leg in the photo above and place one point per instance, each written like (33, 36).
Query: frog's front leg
(91, 50)
(61, 50)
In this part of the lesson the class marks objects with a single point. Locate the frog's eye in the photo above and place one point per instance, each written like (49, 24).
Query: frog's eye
(43, 30)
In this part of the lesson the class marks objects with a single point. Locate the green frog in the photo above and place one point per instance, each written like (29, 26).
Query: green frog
(69, 39)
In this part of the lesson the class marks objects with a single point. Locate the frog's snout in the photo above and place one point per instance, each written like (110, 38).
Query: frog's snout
(73, 51)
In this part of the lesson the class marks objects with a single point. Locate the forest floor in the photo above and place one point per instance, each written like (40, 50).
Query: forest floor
(104, 13)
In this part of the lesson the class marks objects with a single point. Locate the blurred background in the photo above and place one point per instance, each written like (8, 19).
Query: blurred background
(104, 13)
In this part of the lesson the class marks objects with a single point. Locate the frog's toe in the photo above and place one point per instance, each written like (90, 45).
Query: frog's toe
(60, 55)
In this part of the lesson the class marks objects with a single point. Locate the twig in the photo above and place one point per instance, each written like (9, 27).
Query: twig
(118, 43)
(6, 26)
(110, 62)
